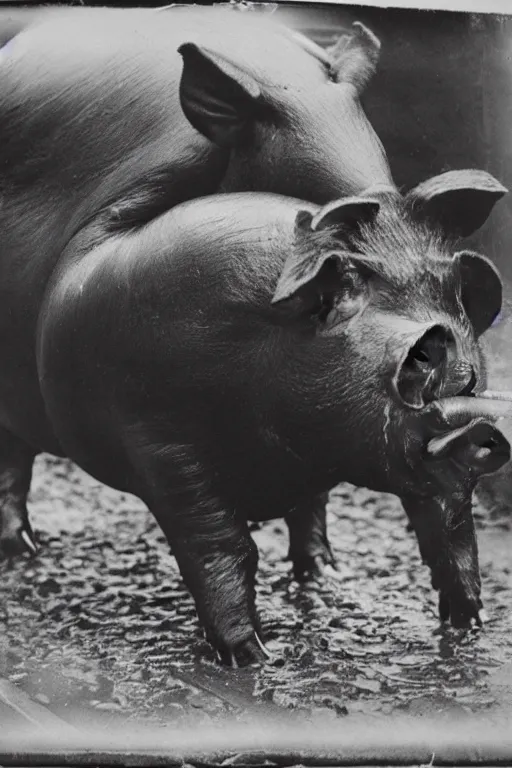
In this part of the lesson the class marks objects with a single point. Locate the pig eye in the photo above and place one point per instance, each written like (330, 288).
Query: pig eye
(350, 295)
(322, 307)
(343, 302)
(352, 285)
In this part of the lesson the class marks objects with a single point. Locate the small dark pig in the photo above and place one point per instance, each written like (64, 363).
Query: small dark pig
(238, 356)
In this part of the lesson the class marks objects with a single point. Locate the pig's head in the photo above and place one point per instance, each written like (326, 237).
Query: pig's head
(292, 122)
(394, 310)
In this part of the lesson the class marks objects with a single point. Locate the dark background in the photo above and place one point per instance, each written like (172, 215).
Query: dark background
(441, 98)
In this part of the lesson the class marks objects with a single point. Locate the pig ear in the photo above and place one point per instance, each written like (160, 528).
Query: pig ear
(303, 270)
(345, 215)
(478, 445)
(458, 202)
(481, 289)
(345, 218)
(355, 56)
(218, 99)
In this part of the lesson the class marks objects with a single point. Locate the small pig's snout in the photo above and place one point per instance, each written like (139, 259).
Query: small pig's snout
(420, 373)
(432, 368)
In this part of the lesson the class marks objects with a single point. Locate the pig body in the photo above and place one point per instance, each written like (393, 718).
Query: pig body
(213, 363)
(152, 345)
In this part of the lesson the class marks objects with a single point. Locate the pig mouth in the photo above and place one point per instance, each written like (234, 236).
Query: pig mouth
(471, 419)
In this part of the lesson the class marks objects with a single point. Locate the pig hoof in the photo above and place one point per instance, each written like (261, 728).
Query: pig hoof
(17, 543)
(483, 617)
(332, 573)
(444, 608)
(316, 568)
(251, 652)
(29, 542)
(462, 614)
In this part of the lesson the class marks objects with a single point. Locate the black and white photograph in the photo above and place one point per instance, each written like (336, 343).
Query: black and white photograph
(255, 383)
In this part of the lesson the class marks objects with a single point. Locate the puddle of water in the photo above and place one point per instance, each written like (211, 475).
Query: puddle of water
(100, 629)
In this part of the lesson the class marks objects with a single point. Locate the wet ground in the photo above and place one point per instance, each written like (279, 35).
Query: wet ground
(100, 630)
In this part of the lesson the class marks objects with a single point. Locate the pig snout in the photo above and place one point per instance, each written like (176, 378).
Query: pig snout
(431, 368)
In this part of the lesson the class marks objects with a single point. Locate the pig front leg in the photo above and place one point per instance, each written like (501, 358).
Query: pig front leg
(218, 560)
(447, 541)
(16, 460)
(309, 550)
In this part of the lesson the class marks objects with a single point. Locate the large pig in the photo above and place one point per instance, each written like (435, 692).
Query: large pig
(175, 105)
(123, 114)
(135, 111)
(239, 355)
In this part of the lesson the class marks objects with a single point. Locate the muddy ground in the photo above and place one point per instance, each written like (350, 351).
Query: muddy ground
(100, 629)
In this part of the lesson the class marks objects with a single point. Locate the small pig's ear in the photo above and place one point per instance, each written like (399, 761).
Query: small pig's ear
(355, 56)
(480, 288)
(457, 202)
(305, 270)
(218, 98)
(346, 215)
(478, 445)
(344, 218)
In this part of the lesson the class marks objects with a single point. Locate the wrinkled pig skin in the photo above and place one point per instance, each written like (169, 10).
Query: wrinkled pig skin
(239, 355)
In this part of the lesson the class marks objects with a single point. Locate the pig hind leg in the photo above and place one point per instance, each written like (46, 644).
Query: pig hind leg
(16, 461)
(310, 551)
